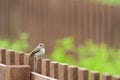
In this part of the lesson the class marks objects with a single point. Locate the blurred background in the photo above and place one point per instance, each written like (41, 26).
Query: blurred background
(64, 26)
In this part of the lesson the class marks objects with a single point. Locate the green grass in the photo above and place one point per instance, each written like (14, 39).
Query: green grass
(111, 2)
(92, 56)
(20, 44)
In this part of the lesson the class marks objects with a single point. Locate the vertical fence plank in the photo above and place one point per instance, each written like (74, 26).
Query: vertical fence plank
(2, 72)
(19, 58)
(29, 60)
(54, 69)
(94, 75)
(10, 57)
(72, 73)
(106, 76)
(63, 73)
(38, 65)
(83, 74)
(18, 72)
(26, 59)
(46, 67)
(2, 56)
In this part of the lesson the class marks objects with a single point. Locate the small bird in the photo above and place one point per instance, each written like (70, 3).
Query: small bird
(38, 51)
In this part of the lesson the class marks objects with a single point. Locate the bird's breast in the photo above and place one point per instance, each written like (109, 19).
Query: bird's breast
(40, 53)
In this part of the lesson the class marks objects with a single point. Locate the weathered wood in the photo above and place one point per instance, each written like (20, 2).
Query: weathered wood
(72, 73)
(2, 56)
(19, 58)
(26, 59)
(36, 76)
(83, 74)
(54, 69)
(29, 60)
(94, 75)
(38, 65)
(2, 72)
(17, 72)
(46, 67)
(106, 76)
(10, 57)
(63, 71)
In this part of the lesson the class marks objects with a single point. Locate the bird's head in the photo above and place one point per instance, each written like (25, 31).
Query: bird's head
(42, 45)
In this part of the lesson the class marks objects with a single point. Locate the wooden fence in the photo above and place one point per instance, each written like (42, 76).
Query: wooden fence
(48, 20)
(19, 66)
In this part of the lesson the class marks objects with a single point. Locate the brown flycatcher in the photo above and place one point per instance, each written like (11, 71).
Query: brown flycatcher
(38, 51)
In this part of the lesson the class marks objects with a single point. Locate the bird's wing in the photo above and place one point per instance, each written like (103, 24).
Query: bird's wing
(37, 49)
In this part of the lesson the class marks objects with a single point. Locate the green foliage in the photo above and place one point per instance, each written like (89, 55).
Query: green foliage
(111, 2)
(59, 53)
(91, 56)
(20, 44)
(97, 57)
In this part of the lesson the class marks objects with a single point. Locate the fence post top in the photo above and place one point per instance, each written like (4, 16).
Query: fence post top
(64, 64)
(20, 52)
(26, 54)
(117, 76)
(2, 49)
(10, 50)
(54, 62)
(85, 69)
(72, 66)
(94, 72)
